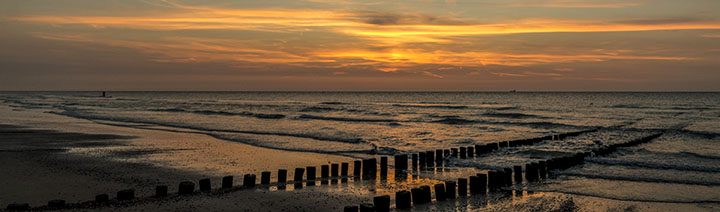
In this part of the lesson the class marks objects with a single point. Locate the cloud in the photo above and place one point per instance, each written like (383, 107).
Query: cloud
(710, 35)
(430, 74)
(501, 74)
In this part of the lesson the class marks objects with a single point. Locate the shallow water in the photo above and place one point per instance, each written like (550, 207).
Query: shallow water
(684, 159)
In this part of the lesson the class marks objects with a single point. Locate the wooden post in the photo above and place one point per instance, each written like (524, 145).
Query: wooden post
(454, 152)
(205, 184)
(299, 172)
(450, 192)
(430, 160)
(462, 187)
(265, 178)
(470, 152)
(427, 194)
(127, 194)
(102, 198)
(440, 192)
(249, 180)
(311, 172)
(383, 167)
(493, 180)
(227, 182)
(542, 166)
(401, 163)
(344, 169)
(324, 172)
(518, 174)
(382, 203)
(422, 158)
(161, 191)
(463, 152)
(439, 157)
(474, 185)
(483, 178)
(508, 176)
(334, 170)
(186, 187)
(417, 196)
(282, 176)
(403, 199)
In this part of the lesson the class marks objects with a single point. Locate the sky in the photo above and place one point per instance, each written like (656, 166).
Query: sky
(360, 45)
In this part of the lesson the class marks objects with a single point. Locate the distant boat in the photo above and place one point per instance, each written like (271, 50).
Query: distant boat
(512, 91)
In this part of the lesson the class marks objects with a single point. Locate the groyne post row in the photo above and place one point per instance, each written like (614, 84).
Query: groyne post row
(496, 180)
(367, 169)
(429, 159)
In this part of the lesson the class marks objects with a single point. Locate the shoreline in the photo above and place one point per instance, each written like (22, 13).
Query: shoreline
(142, 158)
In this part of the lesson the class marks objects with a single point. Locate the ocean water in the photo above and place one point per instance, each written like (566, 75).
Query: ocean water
(685, 158)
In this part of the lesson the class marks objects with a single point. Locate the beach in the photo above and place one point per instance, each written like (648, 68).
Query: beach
(55, 154)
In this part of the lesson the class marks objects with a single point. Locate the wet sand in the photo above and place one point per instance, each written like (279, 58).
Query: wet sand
(75, 159)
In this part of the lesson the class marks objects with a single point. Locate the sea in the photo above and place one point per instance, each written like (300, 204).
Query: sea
(685, 159)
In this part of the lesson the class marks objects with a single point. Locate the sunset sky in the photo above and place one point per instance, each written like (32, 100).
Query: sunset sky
(360, 45)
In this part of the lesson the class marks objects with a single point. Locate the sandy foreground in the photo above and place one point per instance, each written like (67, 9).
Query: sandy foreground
(45, 156)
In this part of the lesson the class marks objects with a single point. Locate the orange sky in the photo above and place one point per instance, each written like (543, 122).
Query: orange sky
(481, 45)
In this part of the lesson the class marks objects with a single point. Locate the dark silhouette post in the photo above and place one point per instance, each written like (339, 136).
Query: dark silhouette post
(450, 189)
(357, 168)
(439, 157)
(403, 199)
(344, 169)
(265, 178)
(518, 174)
(382, 203)
(440, 192)
(383, 167)
(249, 180)
(430, 160)
(205, 185)
(227, 182)
(160, 191)
(186, 187)
(311, 172)
(282, 176)
(462, 187)
(102, 198)
(334, 170)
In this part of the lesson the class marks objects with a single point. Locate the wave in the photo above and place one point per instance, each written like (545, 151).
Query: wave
(629, 106)
(333, 103)
(704, 134)
(319, 109)
(701, 156)
(454, 121)
(223, 113)
(642, 179)
(628, 199)
(299, 135)
(539, 125)
(647, 165)
(512, 115)
(305, 116)
(431, 106)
